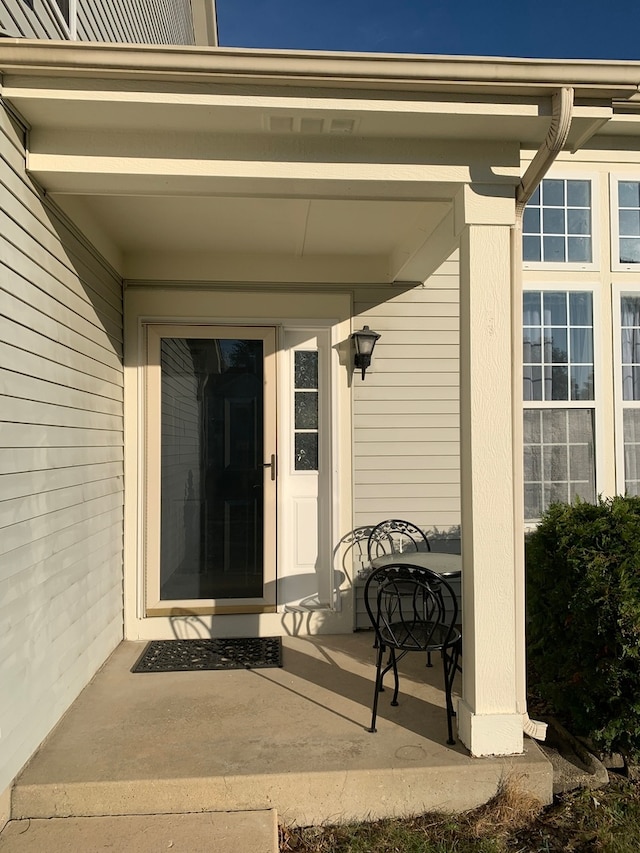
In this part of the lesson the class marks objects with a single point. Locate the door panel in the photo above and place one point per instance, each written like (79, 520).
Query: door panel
(210, 431)
(306, 479)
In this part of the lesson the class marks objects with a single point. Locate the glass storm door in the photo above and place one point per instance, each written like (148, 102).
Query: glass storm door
(211, 472)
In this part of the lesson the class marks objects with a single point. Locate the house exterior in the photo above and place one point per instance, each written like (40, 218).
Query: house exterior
(190, 237)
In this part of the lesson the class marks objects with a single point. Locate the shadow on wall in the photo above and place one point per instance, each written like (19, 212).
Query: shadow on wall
(309, 614)
(350, 555)
(447, 541)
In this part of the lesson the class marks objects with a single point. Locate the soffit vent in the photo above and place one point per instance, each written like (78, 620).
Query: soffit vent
(310, 125)
(343, 126)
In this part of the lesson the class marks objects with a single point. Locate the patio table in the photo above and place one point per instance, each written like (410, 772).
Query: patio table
(447, 565)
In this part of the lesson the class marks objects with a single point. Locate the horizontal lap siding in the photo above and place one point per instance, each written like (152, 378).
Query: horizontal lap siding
(406, 412)
(136, 21)
(33, 21)
(126, 21)
(61, 461)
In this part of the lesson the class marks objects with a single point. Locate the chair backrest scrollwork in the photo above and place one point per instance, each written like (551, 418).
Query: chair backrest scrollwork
(396, 536)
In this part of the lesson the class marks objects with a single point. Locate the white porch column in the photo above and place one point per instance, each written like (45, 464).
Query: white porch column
(493, 653)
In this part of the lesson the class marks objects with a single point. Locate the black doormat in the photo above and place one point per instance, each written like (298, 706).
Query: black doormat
(196, 655)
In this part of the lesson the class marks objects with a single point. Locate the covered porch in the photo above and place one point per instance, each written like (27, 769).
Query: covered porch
(214, 185)
(292, 739)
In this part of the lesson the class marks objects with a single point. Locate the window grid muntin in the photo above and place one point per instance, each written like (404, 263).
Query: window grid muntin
(631, 424)
(65, 10)
(546, 488)
(630, 391)
(630, 368)
(631, 240)
(543, 206)
(305, 383)
(577, 476)
(545, 365)
(65, 13)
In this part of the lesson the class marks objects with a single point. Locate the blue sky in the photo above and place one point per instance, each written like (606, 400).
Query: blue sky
(562, 29)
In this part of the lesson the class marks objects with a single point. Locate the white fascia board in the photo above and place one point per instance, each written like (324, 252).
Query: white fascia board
(405, 72)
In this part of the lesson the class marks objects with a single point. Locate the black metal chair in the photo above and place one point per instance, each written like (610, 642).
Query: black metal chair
(412, 609)
(396, 536)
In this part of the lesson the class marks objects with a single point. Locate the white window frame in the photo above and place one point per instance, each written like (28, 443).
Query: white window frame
(614, 207)
(70, 27)
(593, 178)
(619, 290)
(323, 451)
(591, 405)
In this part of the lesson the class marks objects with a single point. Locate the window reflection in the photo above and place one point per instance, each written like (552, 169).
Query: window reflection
(305, 408)
(558, 345)
(556, 225)
(629, 221)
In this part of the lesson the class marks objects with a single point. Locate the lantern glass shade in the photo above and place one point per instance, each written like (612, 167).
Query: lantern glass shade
(364, 341)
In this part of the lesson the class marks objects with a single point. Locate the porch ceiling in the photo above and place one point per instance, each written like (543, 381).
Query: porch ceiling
(255, 180)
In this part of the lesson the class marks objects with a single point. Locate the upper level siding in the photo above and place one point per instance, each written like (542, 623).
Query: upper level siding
(122, 21)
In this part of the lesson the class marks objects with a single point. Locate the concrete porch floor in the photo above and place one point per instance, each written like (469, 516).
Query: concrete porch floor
(292, 739)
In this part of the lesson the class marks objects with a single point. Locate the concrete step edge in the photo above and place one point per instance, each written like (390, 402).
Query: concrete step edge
(254, 831)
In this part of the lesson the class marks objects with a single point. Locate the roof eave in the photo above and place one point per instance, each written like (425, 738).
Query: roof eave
(496, 75)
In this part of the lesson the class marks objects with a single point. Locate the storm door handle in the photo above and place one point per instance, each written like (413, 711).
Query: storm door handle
(271, 465)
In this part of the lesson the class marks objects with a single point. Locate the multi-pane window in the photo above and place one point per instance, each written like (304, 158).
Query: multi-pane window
(63, 5)
(305, 407)
(629, 222)
(558, 458)
(558, 367)
(558, 345)
(557, 223)
(630, 351)
(64, 12)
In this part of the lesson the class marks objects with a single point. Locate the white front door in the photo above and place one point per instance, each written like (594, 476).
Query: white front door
(306, 580)
(211, 469)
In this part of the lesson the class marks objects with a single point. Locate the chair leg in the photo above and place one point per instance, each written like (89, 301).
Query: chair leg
(449, 664)
(386, 669)
(377, 688)
(429, 659)
(455, 666)
(396, 687)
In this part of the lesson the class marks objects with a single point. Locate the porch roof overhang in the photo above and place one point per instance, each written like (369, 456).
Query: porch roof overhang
(285, 166)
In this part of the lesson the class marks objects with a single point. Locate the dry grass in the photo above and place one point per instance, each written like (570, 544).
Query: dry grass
(606, 820)
(509, 810)
(483, 829)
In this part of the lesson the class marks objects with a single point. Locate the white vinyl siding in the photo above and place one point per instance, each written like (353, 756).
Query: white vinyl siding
(136, 21)
(36, 21)
(61, 461)
(122, 21)
(406, 411)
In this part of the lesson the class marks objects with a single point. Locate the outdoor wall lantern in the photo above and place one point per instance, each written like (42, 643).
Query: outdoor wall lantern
(364, 340)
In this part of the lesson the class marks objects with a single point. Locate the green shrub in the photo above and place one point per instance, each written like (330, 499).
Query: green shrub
(583, 608)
